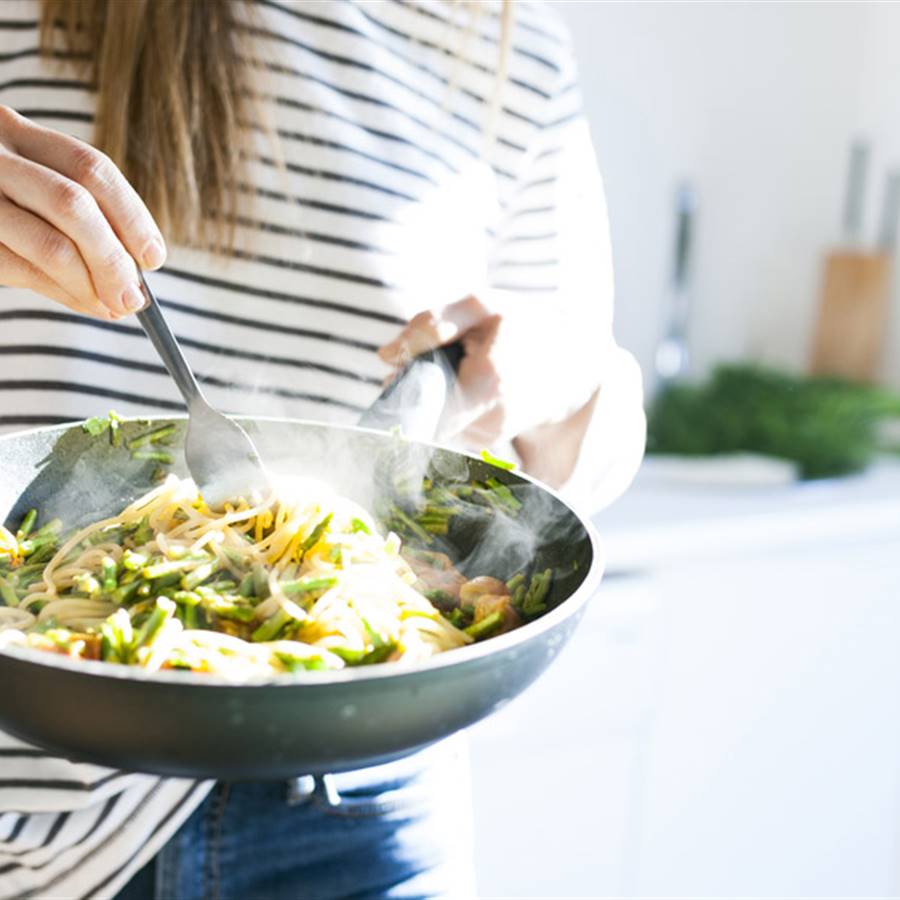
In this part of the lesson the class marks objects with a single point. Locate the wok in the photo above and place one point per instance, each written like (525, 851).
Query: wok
(185, 724)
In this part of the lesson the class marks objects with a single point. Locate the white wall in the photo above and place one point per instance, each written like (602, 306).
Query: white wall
(757, 103)
(878, 116)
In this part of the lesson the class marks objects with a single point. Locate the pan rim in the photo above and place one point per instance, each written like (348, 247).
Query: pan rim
(471, 653)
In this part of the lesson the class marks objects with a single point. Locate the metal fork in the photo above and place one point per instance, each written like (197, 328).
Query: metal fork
(220, 456)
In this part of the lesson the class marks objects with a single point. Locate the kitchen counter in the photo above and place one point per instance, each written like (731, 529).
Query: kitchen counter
(723, 721)
(663, 519)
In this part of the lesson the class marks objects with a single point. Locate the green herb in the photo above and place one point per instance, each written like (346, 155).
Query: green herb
(828, 426)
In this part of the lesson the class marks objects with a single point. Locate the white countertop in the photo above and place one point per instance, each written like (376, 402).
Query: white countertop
(665, 519)
(722, 723)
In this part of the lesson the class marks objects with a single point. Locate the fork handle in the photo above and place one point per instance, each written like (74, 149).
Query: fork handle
(157, 329)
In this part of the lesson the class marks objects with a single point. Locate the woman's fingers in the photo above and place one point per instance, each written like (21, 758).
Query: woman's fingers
(20, 273)
(477, 394)
(434, 328)
(71, 209)
(79, 162)
(48, 250)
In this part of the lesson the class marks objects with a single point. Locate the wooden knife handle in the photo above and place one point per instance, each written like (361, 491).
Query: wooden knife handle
(852, 316)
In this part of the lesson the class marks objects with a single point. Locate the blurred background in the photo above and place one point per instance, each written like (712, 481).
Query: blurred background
(725, 722)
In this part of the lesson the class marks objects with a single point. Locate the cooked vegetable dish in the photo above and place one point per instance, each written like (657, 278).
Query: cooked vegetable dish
(291, 584)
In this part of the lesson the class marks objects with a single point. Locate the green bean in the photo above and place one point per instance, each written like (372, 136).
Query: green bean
(294, 663)
(151, 437)
(27, 524)
(316, 534)
(485, 627)
(132, 561)
(7, 594)
(125, 593)
(260, 582)
(305, 585)
(110, 574)
(494, 461)
(160, 456)
(199, 575)
(515, 581)
(85, 583)
(269, 629)
(162, 612)
(157, 570)
(411, 524)
(505, 494)
(143, 533)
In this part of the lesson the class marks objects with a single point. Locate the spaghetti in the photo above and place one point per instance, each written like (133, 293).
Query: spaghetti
(283, 586)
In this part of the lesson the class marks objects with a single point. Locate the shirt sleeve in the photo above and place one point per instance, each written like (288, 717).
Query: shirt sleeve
(551, 275)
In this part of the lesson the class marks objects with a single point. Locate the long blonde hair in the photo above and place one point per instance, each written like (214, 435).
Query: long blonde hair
(173, 91)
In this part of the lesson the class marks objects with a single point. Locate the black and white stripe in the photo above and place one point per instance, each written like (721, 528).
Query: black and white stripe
(384, 196)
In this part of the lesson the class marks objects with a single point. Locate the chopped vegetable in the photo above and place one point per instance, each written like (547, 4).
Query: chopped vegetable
(494, 461)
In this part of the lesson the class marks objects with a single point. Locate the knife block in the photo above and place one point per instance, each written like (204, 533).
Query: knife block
(852, 315)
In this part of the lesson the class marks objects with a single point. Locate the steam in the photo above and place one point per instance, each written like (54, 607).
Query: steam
(87, 480)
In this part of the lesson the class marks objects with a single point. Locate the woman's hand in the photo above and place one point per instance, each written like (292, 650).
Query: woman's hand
(478, 412)
(71, 226)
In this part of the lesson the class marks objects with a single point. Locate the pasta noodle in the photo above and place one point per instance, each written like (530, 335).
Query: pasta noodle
(302, 581)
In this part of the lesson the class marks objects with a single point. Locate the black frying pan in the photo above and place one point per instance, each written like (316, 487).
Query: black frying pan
(184, 724)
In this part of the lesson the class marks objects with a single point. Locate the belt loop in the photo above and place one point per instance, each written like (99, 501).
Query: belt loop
(300, 790)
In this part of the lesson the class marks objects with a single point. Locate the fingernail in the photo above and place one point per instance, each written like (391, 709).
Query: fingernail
(133, 298)
(154, 254)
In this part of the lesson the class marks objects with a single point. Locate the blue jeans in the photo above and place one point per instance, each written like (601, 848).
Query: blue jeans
(397, 831)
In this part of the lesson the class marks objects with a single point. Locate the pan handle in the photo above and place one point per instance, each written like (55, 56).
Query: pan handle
(416, 398)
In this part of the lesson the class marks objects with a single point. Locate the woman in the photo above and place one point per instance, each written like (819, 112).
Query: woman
(321, 189)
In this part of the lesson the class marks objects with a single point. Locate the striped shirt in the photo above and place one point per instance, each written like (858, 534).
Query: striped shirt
(389, 200)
